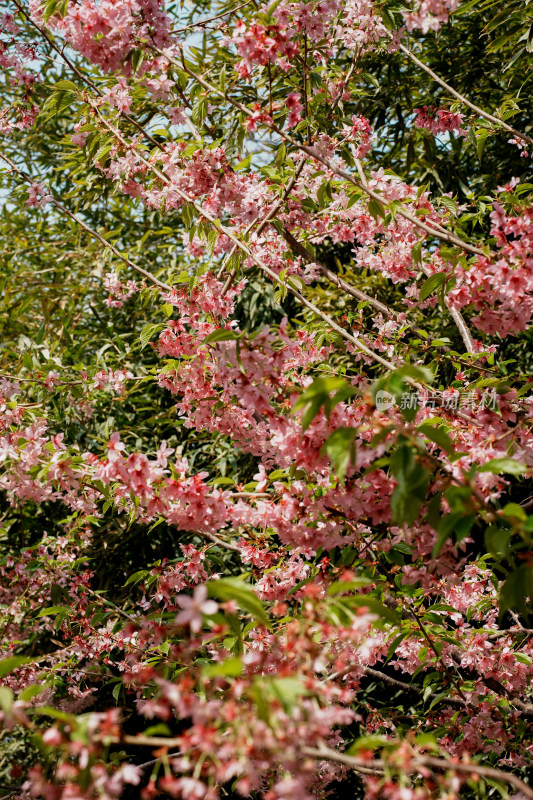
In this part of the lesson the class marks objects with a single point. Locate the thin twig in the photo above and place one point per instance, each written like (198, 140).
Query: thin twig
(302, 251)
(210, 19)
(112, 605)
(216, 540)
(89, 230)
(454, 312)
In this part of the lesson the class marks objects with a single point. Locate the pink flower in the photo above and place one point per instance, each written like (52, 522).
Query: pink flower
(7, 24)
(262, 479)
(294, 105)
(163, 453)
(52, 737)
(177, 115)
(115, 444)
(438, 120)
(193, 608)
(191, 789)
(37, 195)
(52, 379)
(100, 379)
(118, 96)
(129, 773)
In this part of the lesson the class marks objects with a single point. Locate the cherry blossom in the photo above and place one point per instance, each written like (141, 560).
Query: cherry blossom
(194, 607)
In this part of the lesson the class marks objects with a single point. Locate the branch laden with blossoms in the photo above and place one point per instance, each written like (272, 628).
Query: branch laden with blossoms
(264, 513)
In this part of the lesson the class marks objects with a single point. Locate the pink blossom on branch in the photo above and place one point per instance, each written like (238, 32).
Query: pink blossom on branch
(194, 608)
(438, 120)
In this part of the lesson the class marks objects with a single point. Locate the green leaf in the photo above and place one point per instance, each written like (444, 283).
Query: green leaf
(242, 593)
(230, 668)
(50, 9)
(270, 10)
(367, 601)
(340, 448)
(8, 665)
(66, 86)
(55, 713)
(319, 394)
(431, 284)
(294, 282)
(437, 435)
(212, 239)
(245, 163)
(222, 481)
(57, 593)
(221, 335)
(396, 383)
(32, 691)
(515, 511)
(507, 465)
(497, 541)
(457, 523)
(199, 111)
(288, 690)
(102, 153)
(52, 610)
(481, 139)
(157, 730)
(222, 79)
(6, 699)
(187, 211)
(136, 60)
(438, 698)
(394, 644)
(137, 576)
(338, 587)
(371, 742)
(517, 591)
(272, 174)
(376, 209)
(416, 252)
(62, 8)
(149, 331)
(448, 203)
(323, 194)
(412, 484)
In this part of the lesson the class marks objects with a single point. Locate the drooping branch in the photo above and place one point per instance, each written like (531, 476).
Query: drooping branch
(454, 313)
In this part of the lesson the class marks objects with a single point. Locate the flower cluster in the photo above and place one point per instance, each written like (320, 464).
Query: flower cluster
(438, 120)
(258, 575)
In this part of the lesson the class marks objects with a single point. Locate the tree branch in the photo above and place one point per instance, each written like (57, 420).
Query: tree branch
(89, 230)
(311, 151)
(430, 762)
(463, 100)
